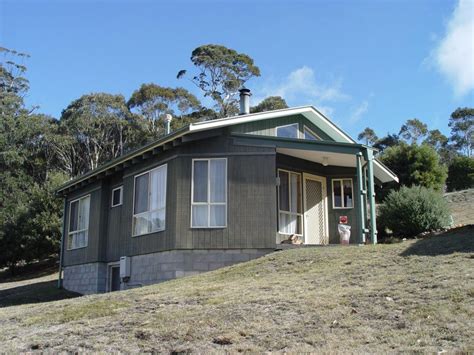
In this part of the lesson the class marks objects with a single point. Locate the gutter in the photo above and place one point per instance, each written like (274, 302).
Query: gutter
(61, 248)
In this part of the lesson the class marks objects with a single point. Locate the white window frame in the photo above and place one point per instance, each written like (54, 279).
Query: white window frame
(208, 203)
(121, 196)
(149, 192)
(301, 215)
(298, 133)
(69, 233)
(306, 128)
(341, 180)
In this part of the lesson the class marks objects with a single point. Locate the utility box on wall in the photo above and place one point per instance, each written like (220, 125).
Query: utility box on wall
(124, 267)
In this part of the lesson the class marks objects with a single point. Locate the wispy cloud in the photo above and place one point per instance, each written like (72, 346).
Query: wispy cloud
(301, 87)
(359, 112)
(454, 54)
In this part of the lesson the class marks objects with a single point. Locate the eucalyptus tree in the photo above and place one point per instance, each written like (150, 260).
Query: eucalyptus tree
(413, 130)
(270, 103)
(221, 71)
(368, 135)
(462, 128)
(152, 102)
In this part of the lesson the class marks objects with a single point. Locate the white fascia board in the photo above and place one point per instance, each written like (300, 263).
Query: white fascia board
(311, 113)
(383, 174)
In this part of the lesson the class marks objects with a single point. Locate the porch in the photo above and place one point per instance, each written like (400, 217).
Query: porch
(319, 182)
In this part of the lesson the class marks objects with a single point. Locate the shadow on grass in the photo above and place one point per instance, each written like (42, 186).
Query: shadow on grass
(458, 240)
(30, 271)
(34, 293)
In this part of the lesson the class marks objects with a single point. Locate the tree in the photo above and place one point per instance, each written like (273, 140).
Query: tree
(96, 128)
(413, 130)
(221, 72)
(414, 165)
(389, 140)
(462, 127)
(460, 174)
(436, 139)
(269, 104)
(152, 102)
(368, 134)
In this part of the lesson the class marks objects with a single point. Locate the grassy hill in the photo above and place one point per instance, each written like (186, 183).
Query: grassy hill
(411, 296)
(461, 204)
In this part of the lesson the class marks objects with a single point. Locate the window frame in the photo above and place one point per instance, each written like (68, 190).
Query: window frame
(121, 196)
(209, 203)
(68, 244)
(148, 199)
(298, 133)
(341, 180)
(301, 215)
(306, 128)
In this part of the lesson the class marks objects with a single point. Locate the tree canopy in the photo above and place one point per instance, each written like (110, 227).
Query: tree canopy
(413, 130)
(221, 71)
(462, 127)
(368, 135)
(269, 104)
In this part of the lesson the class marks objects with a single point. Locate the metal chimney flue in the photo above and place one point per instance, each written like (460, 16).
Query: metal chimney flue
(244, 101)
(167, 120)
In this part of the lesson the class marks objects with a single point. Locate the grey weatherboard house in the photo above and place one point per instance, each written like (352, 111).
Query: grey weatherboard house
(215, 193)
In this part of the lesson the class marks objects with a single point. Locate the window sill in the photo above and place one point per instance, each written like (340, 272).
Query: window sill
(71, 249)
(154, 232)
(343, 208)
(217, 227)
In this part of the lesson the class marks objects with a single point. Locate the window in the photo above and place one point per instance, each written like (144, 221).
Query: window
(342, 196)
(78, 223)
(288, 131)
(149, 201)
(290, 215)
(117, 195)
(310, 135)
(209, 193)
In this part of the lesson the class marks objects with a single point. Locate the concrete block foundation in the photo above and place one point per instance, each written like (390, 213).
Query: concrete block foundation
(152, 268)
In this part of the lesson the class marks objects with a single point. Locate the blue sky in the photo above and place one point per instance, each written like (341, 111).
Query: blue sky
(364, 63)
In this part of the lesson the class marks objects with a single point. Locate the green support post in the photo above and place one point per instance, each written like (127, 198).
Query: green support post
(369, 156)
(361, 199)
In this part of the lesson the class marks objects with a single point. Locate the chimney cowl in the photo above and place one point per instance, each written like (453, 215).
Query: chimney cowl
(244, 101)
(167, 120)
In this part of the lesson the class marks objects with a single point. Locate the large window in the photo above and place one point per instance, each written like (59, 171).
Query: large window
(209, 193)
(149, 204)
(342, 193)
(288, 131)
(290, 215)
(78, 223)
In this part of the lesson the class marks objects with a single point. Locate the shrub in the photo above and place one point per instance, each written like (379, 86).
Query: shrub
(413, 210)
(461, 174)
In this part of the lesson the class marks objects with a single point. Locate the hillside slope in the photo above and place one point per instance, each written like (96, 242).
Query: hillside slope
(412, 296)
(461, 204)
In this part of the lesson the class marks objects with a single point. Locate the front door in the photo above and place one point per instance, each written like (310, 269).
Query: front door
(315, 210)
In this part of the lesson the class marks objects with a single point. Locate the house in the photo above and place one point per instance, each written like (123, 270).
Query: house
(215, 193)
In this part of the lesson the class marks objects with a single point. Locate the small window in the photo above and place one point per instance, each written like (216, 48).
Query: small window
(78, 223)
(310, 135)
(288, 131)
(342, 193)
(117, 195)
(290, 216)
(149, 205)
(209, 193)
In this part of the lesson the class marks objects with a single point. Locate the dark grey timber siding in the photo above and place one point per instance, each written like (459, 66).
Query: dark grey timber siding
(91, 252)
(252, 207)
(330, 172)
(268, 127)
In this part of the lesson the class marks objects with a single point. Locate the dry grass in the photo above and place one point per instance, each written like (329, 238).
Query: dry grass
(461, 204)
(412, 296)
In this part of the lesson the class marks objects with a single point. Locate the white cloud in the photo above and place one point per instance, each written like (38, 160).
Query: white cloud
(359, 112)
(300, 87)
(454, 55)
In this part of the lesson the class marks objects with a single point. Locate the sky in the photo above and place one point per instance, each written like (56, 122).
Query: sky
(363, 63)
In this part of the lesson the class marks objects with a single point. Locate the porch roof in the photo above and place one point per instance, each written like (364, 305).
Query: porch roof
(322, 152)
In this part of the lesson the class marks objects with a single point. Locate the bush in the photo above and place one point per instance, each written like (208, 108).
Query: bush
(413, 210)
(461, 174)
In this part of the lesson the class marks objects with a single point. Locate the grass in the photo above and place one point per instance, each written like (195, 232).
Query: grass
(415, 296)
(461, 204)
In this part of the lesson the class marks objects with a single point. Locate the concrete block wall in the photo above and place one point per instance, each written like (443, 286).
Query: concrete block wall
(85, 278)
(163, 266)
(152, 268)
